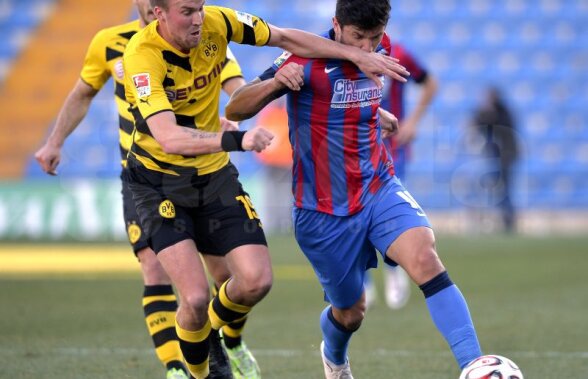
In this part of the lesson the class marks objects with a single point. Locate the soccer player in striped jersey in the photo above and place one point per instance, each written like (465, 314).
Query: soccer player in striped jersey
(396, 282)
(103, 61)
(187, 192)
(348, 202)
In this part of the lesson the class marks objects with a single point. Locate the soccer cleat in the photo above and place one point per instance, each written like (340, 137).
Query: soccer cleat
(219, 365)
(243, 363)
(333, 371)
(176, 373)
(397, 287)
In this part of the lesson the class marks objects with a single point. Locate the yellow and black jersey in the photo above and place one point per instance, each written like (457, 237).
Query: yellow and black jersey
(160, 78)
(104, 60)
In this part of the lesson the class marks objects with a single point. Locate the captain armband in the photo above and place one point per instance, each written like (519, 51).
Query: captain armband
(232, 141)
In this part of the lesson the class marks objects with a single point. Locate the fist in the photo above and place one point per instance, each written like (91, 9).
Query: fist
(257, 139)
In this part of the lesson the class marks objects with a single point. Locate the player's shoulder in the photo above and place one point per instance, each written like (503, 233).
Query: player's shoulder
(399, 51)
(144, 39)
(217, 16)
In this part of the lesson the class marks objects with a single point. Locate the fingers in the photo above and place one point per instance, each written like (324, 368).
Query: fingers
(378, 64)
(228, 125)
(291, 76)
(257, 139)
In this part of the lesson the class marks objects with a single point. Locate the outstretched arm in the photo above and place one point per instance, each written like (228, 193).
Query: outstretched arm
(309, 45)
(176, 139)
(248, 100)
(408, 127)
(72, 112)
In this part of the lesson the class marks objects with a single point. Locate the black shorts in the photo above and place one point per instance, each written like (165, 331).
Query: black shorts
(212, 209)
(135, 233)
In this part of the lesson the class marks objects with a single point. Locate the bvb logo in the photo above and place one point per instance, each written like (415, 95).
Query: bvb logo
(134, 232)
(167, 209)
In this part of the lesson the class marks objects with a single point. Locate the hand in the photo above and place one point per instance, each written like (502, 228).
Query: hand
(256, 139)
(388, 123)
(375, 64)
(228, 125)
(290, 76)
(48, 157)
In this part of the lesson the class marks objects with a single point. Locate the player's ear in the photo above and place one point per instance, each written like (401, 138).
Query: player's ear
(336, 25)
(337, 29)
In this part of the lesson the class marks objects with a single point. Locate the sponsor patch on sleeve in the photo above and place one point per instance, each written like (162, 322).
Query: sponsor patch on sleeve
(245, 18)
(282, 58)
(142, 84)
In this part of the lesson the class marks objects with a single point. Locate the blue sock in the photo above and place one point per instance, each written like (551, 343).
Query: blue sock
(336, 337)
(451, 316)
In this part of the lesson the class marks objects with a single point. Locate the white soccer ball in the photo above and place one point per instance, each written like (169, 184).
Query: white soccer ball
(491, 367)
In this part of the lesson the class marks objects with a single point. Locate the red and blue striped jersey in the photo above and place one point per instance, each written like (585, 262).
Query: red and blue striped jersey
(393, 97)
(340, 161)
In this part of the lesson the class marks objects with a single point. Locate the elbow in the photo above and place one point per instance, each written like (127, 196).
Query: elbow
(168, 146)
(230, 114)
(233, 115)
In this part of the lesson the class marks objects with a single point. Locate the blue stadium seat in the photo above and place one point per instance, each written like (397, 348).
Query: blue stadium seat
(537, 52)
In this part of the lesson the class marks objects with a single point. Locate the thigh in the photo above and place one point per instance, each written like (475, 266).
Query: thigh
(184, 266)
(227, 223)
(137, 236)
(339, 252)
(393, 212)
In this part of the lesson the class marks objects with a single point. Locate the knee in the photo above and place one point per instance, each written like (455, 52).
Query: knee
(351, 318)
(195, 305)
(255, 287)
(427, 265)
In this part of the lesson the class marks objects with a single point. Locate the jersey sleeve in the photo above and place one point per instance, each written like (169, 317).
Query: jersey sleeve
(144, 76)
(245, 28)
(95, 71)
(418, 73)
(231, 68)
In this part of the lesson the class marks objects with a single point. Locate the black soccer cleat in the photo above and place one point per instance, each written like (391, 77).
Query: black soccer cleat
(220, 367)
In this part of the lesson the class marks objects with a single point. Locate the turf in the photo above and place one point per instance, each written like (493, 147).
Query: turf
(527, 296)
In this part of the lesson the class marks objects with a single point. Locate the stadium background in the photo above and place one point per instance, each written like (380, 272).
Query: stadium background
(536, 51)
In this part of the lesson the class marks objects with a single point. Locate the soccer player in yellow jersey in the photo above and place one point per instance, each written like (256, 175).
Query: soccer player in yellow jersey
(187, 192)
(104, 60)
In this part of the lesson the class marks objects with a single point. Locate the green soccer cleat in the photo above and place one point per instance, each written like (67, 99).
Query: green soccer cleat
(243, 363)
(176, 373)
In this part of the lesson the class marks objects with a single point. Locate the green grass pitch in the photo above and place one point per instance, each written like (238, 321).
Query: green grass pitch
(528, 298)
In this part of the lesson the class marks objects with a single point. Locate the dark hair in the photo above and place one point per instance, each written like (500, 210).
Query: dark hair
(158, 3)
(364, 14)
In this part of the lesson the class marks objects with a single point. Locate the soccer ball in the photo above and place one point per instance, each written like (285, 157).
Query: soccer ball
(491, 367)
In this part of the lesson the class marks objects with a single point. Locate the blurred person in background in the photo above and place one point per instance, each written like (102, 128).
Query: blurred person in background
(277, 163)
(103, 61)
(349, 205)
(186, 190)
(396, 282)
(494, 125)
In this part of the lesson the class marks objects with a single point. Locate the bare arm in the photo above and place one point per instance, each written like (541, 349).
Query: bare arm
(231, 85)
(408, 128)
(176, 139)
(251, 98)
(72, 112)
(309, 45)
(388, 123)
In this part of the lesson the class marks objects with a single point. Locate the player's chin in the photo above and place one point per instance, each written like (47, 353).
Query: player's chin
(193, 40)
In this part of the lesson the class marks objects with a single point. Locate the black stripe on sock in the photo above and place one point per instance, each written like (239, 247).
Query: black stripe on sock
(163, 336)
(438, 283)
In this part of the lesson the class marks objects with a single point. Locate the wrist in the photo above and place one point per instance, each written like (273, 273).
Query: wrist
(232, 140)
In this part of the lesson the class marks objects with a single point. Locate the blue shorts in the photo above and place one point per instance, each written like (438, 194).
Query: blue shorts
(341, 249)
